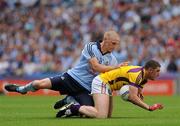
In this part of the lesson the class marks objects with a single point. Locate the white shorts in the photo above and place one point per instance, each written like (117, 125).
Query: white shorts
(98, 87)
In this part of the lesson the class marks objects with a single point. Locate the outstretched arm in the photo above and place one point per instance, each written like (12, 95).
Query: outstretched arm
(140, 94)
(133, 97)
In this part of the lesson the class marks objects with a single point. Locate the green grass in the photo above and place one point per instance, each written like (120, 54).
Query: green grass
(38, 111)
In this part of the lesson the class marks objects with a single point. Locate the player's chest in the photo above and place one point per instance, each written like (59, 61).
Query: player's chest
(106, 60)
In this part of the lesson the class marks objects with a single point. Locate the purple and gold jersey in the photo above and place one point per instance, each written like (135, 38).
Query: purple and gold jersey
(132, 75)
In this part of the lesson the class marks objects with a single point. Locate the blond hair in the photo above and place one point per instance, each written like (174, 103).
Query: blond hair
(111, 35)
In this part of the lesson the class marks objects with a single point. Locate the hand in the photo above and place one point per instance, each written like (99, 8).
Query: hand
(123, 64)
(155, 107)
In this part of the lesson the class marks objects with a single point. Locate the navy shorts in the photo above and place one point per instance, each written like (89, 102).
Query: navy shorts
(65, 84)
(84, 99)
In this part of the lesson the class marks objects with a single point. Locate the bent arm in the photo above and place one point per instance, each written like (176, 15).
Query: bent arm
(96, 66)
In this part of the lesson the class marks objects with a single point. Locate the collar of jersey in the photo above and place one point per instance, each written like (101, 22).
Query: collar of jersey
(99, 47)
(143, 74)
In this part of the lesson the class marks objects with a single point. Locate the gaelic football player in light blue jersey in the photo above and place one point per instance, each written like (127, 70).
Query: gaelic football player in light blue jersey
(96, 58)
(83, 73)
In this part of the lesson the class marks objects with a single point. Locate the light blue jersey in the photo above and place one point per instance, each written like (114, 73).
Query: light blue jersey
(82, 72)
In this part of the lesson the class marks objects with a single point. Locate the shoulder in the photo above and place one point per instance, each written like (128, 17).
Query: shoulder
(91, 46)
(134, 71)
(90, 50)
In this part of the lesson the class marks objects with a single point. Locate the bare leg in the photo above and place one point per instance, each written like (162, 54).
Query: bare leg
(101, 108)
(32, 86)
(110, 106)
(88, 111)
(42, 84)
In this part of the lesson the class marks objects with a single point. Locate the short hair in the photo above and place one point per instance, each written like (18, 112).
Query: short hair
(152, 64)
(111, 34)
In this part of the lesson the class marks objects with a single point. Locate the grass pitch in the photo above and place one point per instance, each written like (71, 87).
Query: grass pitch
(38, 111)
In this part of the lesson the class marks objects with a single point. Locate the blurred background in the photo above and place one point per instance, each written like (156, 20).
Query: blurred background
(42, 38)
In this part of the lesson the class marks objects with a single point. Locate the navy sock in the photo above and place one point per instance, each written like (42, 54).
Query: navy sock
(75, 108)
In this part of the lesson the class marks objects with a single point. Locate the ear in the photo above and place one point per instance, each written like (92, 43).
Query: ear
(150, 70)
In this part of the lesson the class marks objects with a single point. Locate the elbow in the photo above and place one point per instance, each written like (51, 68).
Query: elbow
(132, 98)
(96, 68)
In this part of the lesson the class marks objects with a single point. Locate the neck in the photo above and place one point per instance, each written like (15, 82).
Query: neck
(145, 74)
(103, 48)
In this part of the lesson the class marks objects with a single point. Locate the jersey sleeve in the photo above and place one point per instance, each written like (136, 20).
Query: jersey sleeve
(89, 51)
(136, 79)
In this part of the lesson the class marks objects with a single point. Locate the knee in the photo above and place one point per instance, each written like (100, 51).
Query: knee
(101, 115)
(37, 84)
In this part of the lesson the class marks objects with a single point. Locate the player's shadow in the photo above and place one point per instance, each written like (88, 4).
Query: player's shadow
(64, 118)
(134, 117)
(54, 118)
(130, 117)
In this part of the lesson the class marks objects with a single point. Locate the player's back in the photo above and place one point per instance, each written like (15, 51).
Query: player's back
(122, 75)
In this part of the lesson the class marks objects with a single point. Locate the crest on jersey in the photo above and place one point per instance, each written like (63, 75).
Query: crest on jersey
(105, 61)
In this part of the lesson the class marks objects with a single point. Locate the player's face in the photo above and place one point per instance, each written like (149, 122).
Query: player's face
(154, 73)
(112, 44)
